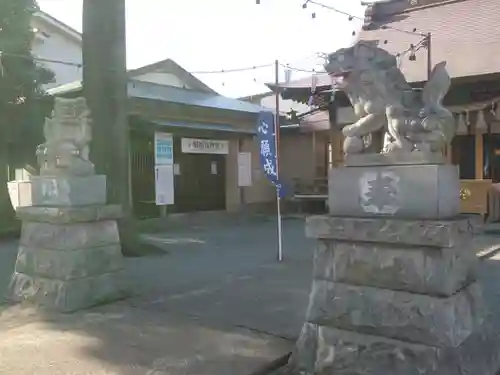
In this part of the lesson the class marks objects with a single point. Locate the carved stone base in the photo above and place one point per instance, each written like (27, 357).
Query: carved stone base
(394, 158)
(67, 295)
(412, 191)
(70, 264)
(325, 350)
(393, 297)
(59, 191)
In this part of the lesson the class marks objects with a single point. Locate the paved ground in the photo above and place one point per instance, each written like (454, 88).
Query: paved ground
(216, 303)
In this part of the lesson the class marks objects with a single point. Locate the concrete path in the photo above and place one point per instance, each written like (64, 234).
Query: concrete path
(217, 303)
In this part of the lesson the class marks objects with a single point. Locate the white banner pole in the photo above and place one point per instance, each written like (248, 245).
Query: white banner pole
(276, 140)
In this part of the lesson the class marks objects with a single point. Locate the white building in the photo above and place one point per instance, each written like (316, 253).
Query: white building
(59, 48)
(56, 41)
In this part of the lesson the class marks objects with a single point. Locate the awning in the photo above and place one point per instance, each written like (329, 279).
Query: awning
(201, 126)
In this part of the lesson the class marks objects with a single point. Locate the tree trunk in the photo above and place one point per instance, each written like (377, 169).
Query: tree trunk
(8, 222)
(105, 88)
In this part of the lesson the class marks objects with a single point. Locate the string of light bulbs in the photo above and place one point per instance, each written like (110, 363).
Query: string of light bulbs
(352, 17)
(200, 72)
(411, 50)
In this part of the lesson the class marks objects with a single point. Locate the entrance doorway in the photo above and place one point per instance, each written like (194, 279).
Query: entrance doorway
(200, 181)
(463, 154)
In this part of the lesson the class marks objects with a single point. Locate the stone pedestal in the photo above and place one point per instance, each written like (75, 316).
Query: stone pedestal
(69, 254)
(393, 297)
(394, 287)
(385, 187)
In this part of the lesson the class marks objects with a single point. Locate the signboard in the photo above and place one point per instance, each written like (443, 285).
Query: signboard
(267, 147)
(164, 149)
(164, 169)
(204, 146)
(164, 184)
(244, 169)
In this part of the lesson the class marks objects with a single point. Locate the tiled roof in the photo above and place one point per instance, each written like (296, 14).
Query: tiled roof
(322, 80)
(465, 33)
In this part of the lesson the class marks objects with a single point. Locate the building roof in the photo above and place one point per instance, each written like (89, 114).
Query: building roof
(464, 33)
(154, 91)
(225, 128)
(170, 66)
(256, 98)
(54, 22)
(323, 80)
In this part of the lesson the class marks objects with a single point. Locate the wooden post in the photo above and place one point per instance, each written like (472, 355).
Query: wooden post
(333, 131)
(479, 151)
(449, 153)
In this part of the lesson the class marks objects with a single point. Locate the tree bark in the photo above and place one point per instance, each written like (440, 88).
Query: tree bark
(105, 88)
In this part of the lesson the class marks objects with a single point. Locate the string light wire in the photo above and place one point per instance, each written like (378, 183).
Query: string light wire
(351, 17)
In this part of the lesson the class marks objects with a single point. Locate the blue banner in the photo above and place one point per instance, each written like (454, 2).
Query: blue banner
(267, 147)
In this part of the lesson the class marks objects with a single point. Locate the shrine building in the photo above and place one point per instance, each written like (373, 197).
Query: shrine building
(421, 33)
(215, 155)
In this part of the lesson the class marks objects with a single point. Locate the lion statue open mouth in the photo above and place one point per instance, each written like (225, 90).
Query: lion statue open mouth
(413, 120)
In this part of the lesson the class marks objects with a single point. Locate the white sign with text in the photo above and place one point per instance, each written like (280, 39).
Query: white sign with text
(204, 146)
(164, 184)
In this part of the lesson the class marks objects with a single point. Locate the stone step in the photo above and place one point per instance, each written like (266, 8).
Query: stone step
(326, 350)
(387, 230)
(69, 237)
(434, 321)
(418, 269)
(69, 265)
(67, 296)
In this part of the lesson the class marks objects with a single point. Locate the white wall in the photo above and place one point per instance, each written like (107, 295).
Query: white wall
(161, 78)
(57, 47)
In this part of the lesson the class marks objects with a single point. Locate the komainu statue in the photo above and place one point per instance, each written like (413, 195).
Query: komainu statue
(67, 136)
(412, 120)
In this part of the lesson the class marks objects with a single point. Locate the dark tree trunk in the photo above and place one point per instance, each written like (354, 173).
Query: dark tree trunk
(105, 88)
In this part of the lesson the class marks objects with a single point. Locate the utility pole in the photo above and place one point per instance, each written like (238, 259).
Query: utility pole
(105, 88)
(428, 40)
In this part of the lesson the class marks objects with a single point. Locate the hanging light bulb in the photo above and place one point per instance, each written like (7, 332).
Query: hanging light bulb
(313, 15)
(412, 57)
(351, 18)
(304, 6)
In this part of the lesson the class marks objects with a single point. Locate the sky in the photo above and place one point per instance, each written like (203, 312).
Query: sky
(212, 35)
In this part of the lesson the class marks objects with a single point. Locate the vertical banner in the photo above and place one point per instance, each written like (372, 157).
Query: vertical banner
(267, 146)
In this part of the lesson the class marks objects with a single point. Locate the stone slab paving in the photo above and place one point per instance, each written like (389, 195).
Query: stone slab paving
(218, 305)
(119, 340)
